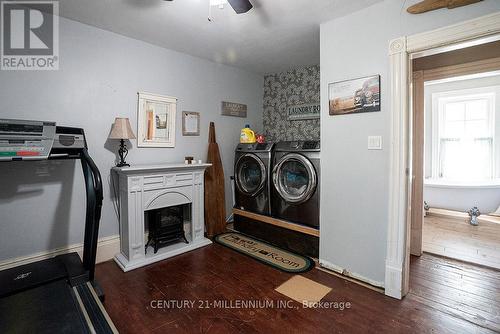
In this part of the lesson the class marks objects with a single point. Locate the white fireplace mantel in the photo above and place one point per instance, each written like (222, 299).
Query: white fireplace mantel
(149, 187)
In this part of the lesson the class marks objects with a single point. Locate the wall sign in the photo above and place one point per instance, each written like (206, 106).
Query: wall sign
(304, 111)
(354, 96)
(234, 109)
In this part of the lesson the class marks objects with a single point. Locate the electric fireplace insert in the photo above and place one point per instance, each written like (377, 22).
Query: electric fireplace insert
(166, 225)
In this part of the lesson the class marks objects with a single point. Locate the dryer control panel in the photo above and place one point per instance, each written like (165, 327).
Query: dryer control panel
(299, 146)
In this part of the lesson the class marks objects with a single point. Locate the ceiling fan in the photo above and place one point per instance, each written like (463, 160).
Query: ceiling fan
(428, 5)
(239, 6)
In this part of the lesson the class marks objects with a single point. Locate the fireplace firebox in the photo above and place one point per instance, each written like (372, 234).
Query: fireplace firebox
(166, 225)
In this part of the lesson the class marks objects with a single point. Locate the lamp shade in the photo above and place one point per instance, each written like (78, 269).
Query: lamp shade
(121, 129)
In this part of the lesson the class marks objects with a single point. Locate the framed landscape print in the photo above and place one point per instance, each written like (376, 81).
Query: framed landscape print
(354, 96)
(156, 120)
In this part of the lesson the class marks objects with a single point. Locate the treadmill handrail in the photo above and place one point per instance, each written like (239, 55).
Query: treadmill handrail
(94, 192)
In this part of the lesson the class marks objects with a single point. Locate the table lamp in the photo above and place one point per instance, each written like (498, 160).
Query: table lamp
(122, 130)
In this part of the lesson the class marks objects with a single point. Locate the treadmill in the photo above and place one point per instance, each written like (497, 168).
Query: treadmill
(59, 294)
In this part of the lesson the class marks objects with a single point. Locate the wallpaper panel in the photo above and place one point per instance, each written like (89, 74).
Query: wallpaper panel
(294, 87)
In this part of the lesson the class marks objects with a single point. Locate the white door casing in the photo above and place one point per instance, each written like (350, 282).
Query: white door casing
(467, 33)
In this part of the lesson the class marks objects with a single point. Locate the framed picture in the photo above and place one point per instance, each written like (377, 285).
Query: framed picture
(156, 120)
(354, 96)
(190, 123)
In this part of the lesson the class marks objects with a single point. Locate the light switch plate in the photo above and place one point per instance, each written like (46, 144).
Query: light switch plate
(374, 142)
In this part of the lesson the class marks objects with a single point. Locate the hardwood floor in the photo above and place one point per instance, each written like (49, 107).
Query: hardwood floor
(459, 289)
(446, 297)
(454, 238)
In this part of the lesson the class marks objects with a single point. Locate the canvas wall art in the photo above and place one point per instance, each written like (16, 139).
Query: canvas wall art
(354, 96)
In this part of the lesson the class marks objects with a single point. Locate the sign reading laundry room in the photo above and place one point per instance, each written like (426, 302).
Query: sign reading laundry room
(303, 111)
(234, 109)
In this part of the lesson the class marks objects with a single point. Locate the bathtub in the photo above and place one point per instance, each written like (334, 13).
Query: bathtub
(462, 196)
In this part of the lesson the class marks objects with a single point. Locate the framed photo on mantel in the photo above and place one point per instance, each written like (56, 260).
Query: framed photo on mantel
(156, 120)
(354, 96)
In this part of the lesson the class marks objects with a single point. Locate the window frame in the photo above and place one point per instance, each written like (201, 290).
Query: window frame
(437, 113)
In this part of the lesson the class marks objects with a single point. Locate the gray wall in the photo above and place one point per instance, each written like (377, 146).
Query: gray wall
(42, 204)
(294, 87)
(355, 181)
(461, 198)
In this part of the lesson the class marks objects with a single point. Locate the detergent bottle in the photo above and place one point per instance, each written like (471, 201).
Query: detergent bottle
(247, 135)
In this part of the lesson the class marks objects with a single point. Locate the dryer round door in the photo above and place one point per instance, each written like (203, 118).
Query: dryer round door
(294, 178)
(250, 174)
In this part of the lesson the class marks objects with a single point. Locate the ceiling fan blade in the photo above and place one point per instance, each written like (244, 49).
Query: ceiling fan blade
(428, 5)
(240, 6)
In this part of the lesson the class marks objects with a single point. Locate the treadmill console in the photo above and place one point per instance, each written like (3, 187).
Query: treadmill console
(26, 140)
(36, 140)
(69, 138)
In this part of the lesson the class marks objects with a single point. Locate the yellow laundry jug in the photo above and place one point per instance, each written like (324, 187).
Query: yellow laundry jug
(247, 135)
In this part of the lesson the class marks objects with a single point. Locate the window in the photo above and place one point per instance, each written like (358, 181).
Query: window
(463, 139)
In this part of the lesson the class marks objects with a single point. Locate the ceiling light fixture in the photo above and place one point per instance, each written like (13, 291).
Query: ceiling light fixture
(239, 6)
(218, 3)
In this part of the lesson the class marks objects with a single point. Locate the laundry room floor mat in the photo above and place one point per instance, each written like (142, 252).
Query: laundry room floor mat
(303, 290)
(266, 253)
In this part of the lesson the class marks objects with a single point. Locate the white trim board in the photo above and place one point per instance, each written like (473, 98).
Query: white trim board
(107, 247)
(344, 272)
(401, 50)
(163, 254)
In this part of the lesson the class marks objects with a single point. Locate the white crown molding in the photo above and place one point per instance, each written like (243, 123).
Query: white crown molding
(107, 247)
(400, 50)
(460, 32)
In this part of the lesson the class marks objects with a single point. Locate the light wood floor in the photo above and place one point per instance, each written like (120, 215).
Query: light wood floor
(455, 238)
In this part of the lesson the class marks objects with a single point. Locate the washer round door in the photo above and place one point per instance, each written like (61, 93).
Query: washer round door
(294, 178)
(250, 174)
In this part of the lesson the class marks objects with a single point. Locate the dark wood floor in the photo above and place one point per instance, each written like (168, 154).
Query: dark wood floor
(446, 297)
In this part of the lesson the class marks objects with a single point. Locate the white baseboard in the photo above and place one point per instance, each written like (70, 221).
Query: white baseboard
(393, 279)
(163, 253)
(345, 272)
(107, 247)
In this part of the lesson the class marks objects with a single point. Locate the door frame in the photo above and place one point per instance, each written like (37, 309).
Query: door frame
(401, 51)
(417, 156)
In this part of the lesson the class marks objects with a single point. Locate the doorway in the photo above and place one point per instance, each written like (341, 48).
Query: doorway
(456, 154)
(455, 166)
(402, 50)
